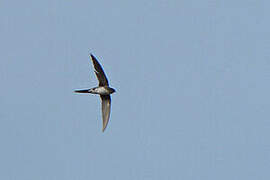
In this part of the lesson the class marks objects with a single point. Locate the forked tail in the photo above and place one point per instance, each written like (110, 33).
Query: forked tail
(82, 91)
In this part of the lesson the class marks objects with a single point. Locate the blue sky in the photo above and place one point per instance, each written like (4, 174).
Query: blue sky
(192, 80)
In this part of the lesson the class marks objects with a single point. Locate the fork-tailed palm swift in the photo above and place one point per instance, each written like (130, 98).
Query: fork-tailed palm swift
(103, 90)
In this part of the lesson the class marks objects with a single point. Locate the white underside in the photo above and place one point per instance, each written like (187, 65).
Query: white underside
(101, 90)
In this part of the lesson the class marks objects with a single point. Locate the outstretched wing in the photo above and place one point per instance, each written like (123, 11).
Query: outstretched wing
(103, 81)
(106, 109)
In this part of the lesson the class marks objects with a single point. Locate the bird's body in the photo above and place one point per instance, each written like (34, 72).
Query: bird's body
(103, 90)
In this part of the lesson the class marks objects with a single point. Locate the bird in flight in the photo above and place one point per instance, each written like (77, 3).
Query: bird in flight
(103, 90)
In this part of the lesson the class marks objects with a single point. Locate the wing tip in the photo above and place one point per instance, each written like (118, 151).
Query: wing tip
(103, 128)
(92, 56)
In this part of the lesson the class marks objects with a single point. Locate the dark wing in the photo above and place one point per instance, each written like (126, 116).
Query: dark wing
(103, 81)
(106, 109)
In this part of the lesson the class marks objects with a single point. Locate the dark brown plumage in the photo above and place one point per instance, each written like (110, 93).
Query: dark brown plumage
(103, 90)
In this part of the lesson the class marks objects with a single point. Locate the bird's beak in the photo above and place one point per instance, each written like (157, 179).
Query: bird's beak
(82, 91)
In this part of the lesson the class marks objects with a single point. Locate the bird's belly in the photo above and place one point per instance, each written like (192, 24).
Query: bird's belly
(102, 91)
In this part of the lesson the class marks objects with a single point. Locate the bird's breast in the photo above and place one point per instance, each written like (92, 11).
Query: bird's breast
(102, 91)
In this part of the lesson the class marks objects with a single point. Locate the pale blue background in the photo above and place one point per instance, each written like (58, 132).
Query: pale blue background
(192, 80)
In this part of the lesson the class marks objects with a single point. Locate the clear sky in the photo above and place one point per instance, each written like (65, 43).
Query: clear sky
(192, 80)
